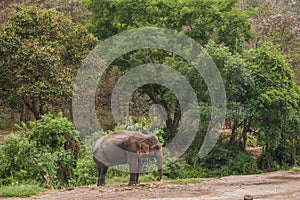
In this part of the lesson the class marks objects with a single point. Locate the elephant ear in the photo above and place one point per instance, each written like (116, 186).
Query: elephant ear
(155, 145)
(143, 147)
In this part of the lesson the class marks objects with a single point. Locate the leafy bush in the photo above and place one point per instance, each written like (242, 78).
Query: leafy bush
(53, 133)
(86, 172)
(133, 126)
(47, 146)
(252, 142)
(17, 161)
(284, 156)
(142, 126)
(223, 161)
(296, 169)
(175, 170)
(266, 162)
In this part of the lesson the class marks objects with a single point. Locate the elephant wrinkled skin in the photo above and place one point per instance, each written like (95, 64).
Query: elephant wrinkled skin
(126, 147)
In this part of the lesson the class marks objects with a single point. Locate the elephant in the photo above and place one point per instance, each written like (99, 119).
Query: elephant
(126, 147)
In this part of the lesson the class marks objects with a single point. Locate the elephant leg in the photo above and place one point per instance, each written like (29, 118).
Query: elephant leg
(99, 175)
(133, 166)
(139, 170)
(102, 172)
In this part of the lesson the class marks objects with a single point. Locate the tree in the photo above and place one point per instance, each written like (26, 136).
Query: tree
(277, 22)
(239, 84)
(41, 51)
(202, 20)
(262, 96)
(72, 8)
(276, 102)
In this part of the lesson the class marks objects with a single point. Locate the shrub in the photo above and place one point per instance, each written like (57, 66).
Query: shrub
(252, 142)
(223, 161)
(85, 172)
(53, 133)
(47, 146)
(142, 126)
(17, 160)
(266, 162)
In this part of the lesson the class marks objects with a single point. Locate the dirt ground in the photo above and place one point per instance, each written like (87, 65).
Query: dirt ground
(276, 185)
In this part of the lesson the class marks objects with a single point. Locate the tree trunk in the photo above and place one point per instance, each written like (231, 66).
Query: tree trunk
(172, 124)
(233, 132)
(12, 115)
(33, 109)
(71, 112)
(22, 113)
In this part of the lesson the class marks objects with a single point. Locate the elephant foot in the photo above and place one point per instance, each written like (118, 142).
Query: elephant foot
(101, 183)
(133, 183)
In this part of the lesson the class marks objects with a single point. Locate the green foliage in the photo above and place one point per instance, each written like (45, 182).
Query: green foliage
(143, 126)
(20, 190)
(147, 178)
(263, 101)
(271, 17)
(73, 8)
(276, 103)
(47, 146)
(118, 178)
(86, 172)
(174, 169)
(204, 20)
(40, 52)
(52, 132)
(267, 162)
(296, 169)
(42, 49)
(192, 154)
(15, 153)
(223, 161)
(130, 125)
(252, 142)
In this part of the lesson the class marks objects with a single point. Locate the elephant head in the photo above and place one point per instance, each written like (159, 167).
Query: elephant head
(150, 146)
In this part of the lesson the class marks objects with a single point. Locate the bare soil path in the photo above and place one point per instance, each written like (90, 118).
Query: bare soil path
(275, 185)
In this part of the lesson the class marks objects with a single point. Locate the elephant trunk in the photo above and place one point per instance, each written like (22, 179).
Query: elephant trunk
(159, 156)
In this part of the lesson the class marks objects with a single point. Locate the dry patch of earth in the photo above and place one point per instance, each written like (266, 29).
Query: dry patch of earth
(276, 185)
